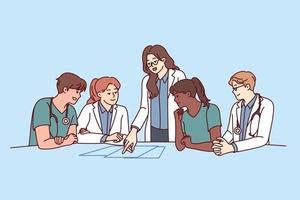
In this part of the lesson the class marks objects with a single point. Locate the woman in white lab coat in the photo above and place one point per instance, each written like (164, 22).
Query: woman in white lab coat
(157, 105)
(102, 120)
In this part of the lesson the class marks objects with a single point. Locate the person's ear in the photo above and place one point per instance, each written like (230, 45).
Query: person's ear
(189, 94)
(65, 89)
(248, 87)
(163, 59)
(99, 94)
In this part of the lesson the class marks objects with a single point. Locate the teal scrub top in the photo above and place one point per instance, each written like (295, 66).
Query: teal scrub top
(198, 127)
(41, 116)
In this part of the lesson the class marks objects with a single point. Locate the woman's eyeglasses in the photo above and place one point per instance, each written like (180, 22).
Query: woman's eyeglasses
(150, 64)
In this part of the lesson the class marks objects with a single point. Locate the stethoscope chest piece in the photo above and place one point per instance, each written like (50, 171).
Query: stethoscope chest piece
(65, 121)
(237, 130)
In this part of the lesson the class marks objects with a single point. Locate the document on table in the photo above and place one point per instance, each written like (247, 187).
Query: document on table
(141, 151)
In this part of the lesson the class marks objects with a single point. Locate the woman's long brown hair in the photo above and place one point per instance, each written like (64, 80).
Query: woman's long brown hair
(159, 52)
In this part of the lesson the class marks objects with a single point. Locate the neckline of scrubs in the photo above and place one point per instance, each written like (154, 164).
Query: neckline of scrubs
(57, 108)
(196, 113)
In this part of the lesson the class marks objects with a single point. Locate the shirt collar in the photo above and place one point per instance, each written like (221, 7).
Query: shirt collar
(251, 103)
(102, 109)
(165, 77)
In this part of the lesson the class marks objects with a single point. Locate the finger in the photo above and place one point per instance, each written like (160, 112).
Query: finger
(117, 140)
(120, 137)
(126, 147)
(217, 151)
(221, 139)
(133, 146)
(59, 140)
(129, 149)
(126, 142)
(216, 148)
(216, 142)
(217, 145)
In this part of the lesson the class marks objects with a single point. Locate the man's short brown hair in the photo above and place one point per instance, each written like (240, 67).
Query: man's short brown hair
(245, 78)
(70, 81)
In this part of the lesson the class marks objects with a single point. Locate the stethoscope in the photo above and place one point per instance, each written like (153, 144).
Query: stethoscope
(65, 120)
(237, 129)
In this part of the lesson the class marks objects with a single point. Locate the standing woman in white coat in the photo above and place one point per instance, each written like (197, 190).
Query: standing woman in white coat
(157, 105)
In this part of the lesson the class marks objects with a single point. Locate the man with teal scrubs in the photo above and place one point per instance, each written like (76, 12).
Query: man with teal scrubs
(54, 119)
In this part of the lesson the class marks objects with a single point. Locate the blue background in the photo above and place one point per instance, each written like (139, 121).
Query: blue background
(39, 40)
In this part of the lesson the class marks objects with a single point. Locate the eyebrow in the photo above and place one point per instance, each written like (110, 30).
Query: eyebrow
(108, 90)
(152, 59)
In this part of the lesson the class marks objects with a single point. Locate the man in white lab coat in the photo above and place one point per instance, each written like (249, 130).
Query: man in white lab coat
(250, 120)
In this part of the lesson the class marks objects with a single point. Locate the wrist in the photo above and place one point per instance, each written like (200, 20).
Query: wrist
(134, 131)
(178, 121)
(107, 138)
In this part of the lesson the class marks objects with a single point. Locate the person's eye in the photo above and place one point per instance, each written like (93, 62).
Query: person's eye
(149, 64)
(77, 91)
(155, 62)
(109, 93)
(116, 93)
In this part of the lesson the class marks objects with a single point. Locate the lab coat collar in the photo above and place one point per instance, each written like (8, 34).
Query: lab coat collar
(171, 79)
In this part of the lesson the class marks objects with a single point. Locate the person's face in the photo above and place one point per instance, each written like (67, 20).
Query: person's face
(73, 95)
(155, 65)
(239, 90)
(181, 99)
(110, 96)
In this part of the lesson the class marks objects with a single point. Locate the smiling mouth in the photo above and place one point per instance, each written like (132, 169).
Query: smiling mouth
(113, 99)
(154, 68)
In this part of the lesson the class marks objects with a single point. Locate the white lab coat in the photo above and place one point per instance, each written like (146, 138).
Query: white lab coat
(144, 111)
(258, 130)
(89, 119)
